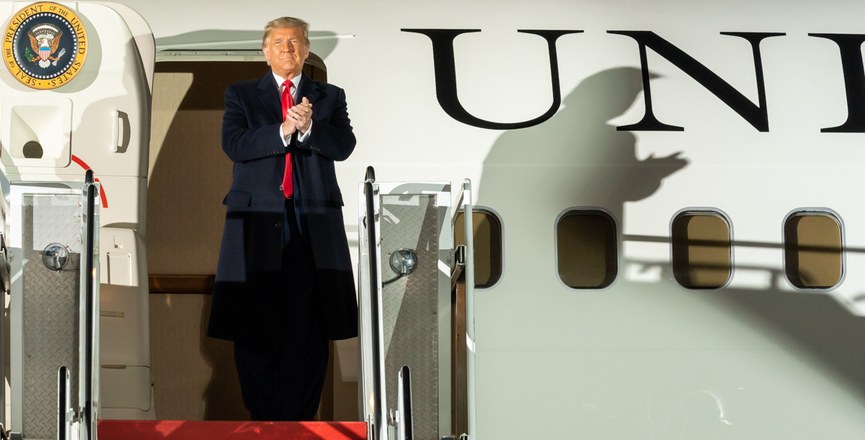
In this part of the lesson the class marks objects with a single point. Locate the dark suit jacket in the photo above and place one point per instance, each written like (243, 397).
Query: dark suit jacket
(245, 303)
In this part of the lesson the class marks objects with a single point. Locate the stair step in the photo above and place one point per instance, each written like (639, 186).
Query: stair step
(197, 430)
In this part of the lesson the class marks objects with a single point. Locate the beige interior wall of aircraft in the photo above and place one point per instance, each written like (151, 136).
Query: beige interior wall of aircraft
(185, 206)
(194, 376)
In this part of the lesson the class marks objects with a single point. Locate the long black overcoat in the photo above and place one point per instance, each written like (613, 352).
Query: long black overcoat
(246, 302)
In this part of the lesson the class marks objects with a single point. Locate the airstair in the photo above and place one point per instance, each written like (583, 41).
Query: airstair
(408, 276)
(411, 334)
(409, 270)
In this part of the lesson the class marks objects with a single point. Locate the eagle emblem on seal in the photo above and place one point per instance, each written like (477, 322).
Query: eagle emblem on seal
(44, 41)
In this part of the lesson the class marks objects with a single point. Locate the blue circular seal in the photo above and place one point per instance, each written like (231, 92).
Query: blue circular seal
(45, 45)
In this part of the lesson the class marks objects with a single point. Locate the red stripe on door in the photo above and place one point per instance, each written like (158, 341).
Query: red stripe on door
(101, 187)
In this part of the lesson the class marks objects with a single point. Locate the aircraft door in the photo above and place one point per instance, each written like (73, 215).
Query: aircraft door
(407, 266)
(76, 93)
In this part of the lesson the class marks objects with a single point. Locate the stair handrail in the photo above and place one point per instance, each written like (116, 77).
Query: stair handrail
(65, 412)
(405, 418)
(90, 410)
(379, 425)
(464, 201)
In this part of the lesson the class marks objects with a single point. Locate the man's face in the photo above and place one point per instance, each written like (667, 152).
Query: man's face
(286, 50)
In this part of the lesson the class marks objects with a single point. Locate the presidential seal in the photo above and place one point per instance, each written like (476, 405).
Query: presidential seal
(44, 45)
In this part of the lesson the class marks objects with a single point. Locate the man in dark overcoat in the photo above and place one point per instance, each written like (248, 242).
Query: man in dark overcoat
(284, 285)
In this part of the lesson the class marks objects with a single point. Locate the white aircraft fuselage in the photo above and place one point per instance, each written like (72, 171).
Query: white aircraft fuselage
(752, 111)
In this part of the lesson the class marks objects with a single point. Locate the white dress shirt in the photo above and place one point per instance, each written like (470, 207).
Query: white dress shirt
(296, 81)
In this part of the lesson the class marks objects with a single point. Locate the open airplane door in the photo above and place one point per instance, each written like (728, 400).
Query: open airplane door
(407, 267)
(75, 94)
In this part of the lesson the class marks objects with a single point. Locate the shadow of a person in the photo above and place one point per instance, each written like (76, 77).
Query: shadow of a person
(576, 158)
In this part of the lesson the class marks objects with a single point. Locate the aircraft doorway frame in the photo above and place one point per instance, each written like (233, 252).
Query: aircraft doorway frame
(177, 141)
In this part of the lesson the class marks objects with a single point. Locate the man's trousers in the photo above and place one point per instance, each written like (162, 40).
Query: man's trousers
(283, 381)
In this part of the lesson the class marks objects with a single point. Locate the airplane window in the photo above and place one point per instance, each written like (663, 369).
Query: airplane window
(586, 249)
(813, 250)
(702, 250)
(488, 239)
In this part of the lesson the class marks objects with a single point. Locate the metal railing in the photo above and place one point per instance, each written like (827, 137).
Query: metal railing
(465, 203)
(65, 412)
(404, 421)
(378, 422)
(89, 391)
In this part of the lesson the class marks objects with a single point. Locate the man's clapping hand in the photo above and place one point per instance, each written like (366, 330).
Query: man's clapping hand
(300, 115)
(288, 127)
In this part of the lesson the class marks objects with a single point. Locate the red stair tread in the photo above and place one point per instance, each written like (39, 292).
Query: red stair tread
(197, 430)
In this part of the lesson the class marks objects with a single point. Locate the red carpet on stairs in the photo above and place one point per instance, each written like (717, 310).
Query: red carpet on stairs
(188, 430)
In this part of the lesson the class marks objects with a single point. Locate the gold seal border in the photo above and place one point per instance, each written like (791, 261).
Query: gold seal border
(11, 29)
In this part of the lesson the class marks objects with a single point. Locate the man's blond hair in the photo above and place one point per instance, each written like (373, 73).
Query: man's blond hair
(285, 22)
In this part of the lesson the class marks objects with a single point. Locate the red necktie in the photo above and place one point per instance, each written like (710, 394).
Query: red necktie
(287, 103)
